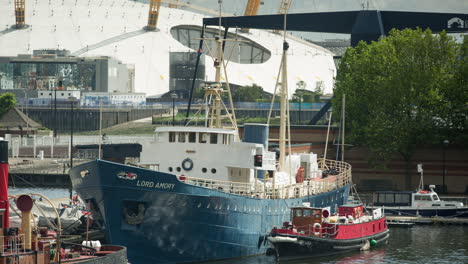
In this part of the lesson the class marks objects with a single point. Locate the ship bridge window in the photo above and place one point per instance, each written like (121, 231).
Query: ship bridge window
(213, 138)
(306, 212)
(226, 139)
(171, 136)
(203, 137)
(182, 137)
(192, 137)
(422, 198)
(298, 212)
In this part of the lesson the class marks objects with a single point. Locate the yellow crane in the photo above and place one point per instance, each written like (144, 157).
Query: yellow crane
(252, 7)
(153, 14)
(251, 10)
(284, 7)
(19, 13)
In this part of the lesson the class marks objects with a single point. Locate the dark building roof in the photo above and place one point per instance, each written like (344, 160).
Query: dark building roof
(14, 118)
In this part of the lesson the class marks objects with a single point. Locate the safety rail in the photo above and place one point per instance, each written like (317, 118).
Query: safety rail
(12, 244)
(318, 231)
(266, 190)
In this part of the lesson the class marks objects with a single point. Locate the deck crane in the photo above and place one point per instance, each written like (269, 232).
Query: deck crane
(19, 13)
(153, 14)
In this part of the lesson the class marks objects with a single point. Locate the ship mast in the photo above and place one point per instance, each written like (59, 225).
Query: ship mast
(213, 93)
(283, 101)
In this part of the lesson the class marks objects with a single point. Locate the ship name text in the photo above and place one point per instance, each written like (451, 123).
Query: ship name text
(157, 185)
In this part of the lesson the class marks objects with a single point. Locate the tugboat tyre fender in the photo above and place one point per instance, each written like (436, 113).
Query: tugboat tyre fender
(317, 228)
(187, 164)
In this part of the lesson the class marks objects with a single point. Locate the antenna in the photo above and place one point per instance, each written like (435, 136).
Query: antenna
(421, 180)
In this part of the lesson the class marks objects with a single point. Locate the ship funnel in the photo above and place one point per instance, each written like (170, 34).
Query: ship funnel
(24, 204)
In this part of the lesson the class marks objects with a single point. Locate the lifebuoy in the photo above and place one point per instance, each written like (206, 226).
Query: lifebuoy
(317, 228)
(187, 164)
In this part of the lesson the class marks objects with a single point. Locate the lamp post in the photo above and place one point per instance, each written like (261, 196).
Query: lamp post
(55, 112)
(173, 96)
(444, 170)
(300, 107)
(72, 100)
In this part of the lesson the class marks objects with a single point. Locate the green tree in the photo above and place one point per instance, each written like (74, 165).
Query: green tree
(248, 93)
(404, 91)
(306, 96)
(7, 102)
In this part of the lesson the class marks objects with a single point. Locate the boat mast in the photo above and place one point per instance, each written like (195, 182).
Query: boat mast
(213, 93)
(283, 100)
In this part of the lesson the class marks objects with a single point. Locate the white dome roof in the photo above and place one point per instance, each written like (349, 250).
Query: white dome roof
(114, 28)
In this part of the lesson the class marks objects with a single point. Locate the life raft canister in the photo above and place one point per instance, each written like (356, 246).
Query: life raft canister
(187, 164)
(300, 175)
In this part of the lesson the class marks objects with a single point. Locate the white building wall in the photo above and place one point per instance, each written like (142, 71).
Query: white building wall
(114, 28)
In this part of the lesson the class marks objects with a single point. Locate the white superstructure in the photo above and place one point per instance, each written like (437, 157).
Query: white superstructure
(115, 28)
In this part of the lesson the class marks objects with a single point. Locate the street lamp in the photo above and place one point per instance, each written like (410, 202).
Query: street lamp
(72, 99)
(173, 96)
(300, 107)
(444, 170)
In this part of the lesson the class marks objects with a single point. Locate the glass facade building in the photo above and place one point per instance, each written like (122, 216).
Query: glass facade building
(243, 51)
(48, 71)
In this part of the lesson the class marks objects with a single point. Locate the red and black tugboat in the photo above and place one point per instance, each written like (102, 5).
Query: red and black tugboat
(314, 232)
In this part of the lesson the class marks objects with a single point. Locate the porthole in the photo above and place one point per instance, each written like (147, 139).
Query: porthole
(178, 169)
(213, 170)
(204, 170)
(170, 169)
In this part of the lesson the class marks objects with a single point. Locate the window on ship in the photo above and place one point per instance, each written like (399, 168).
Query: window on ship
(192, 137)
(202, 137)
(422, 198)
(226, 139)
(171, 136)
(435, 197)
(182, 137)
(213, 138)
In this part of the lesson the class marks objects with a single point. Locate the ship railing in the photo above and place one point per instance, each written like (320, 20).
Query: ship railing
(322, 231)
(12, 244)
(341, 176)
(224, 186)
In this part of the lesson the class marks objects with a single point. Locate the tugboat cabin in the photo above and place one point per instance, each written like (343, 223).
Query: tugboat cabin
(305, 218)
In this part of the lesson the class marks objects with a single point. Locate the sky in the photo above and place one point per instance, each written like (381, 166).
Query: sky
(237, 7)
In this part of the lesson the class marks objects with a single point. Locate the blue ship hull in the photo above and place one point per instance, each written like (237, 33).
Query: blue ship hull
(163, 220)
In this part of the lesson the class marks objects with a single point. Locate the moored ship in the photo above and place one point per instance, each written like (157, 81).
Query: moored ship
(314, 232)
(202, 194)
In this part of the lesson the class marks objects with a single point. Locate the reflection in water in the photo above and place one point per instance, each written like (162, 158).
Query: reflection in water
(417, 245)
